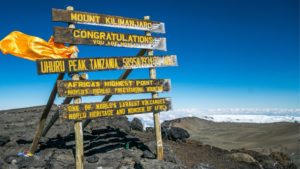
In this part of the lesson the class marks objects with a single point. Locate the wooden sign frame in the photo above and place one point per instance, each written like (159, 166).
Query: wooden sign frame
(112, 39)
(90, 113)
(85, 111)
(60, 15)
(69, 88)
(49, 66)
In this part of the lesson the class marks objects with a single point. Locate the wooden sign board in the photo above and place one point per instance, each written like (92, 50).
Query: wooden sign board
(70, 88)
(101, 38)
(114, 108)
(48, 66)
(106, 20)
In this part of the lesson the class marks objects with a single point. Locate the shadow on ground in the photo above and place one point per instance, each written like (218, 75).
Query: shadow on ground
(98, 141)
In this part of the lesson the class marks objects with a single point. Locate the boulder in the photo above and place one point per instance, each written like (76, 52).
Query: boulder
(175, 134)
(136, 124)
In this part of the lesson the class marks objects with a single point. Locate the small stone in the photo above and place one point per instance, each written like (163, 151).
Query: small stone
(10, 158)
(92, 159)
(14, 161)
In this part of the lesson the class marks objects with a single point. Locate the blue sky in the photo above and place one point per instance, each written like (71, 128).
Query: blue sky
(231, 53)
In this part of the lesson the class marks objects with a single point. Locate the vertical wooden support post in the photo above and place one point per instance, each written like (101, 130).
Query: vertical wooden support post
(78, 134)
(156, 118)
(44, 116)
(77, 124)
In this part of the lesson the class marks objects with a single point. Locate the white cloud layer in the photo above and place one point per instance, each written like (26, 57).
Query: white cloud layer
(227, 115)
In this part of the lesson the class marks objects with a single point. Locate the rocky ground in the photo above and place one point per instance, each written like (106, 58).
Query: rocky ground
(112, 143)
(264, 138)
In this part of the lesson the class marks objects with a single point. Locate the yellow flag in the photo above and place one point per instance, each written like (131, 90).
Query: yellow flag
(33, 48)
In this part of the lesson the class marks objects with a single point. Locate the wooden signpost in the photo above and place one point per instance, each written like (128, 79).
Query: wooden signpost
(110, 87)
(48, 66)
(115, 108)
(80, 86)
(101, 38)
(107, 20)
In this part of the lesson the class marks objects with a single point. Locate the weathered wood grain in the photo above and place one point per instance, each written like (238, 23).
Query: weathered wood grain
(60, 15)
(49, 66)
(69, 88)
(114, 108)
(113, 39)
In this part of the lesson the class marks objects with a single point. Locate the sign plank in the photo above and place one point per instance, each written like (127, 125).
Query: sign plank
(101, 38)
(60, 15)
(68, 88)
(48, 66)
(114, 108)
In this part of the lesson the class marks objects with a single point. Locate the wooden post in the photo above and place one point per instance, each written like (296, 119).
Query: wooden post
(44, 116)
(78, 134)
(78, 124)
(157, 127)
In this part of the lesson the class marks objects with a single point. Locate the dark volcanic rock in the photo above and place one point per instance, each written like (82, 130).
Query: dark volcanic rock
(149, 129)
(203, 166)
(12, 159)
(174, 133)
(169, 154)
(148, 154)
(110, 143)
(158, 164)
(120, 122)
(136, 124)
(276, 160)
(283, 160)
(111, 159)
(266, 161)
(242, 157)
(177, 133)
(4, 140)
(55, 164)
(22, 141)
(92, 159)
(31, 163)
